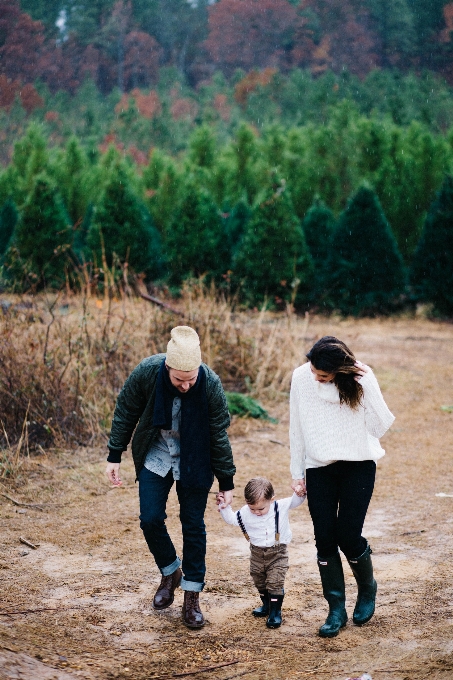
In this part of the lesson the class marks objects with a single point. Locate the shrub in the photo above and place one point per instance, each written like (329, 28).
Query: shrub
(246, 407)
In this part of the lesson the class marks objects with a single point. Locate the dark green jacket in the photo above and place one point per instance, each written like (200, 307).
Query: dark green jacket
(135, 404)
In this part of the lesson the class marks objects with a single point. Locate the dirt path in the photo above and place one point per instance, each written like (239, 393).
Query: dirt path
(86, 591)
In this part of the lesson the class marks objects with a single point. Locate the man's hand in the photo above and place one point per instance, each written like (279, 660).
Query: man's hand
(298, 486)
(224, 499)
(113, 473)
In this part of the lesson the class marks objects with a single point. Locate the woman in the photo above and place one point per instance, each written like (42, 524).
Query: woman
(337, 414)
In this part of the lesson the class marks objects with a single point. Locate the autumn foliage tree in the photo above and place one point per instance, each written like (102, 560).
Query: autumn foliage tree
(22, 45)
(346, 37)
(252, 33)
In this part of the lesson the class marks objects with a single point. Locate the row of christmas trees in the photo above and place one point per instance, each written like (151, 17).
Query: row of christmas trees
(351, 264)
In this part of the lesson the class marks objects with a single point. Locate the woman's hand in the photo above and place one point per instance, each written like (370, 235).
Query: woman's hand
(298, 486)
(113, 473)
(362, 368)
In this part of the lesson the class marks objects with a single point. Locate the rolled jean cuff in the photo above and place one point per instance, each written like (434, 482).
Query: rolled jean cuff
(192, 586)
(167, 571)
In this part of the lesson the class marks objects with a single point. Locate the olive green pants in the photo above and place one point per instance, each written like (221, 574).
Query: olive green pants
(268, 567)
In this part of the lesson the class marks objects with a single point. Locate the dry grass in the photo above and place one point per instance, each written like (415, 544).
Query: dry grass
(86, 592)
(64, 357)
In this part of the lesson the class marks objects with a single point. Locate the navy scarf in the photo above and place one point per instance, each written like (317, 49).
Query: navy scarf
(195, 445)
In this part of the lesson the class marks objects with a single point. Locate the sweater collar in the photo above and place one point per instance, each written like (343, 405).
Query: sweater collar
(326, 391)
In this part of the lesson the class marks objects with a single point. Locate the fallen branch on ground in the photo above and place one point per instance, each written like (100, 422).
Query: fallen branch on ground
(44, 609)
(375, 670)
(23, 505)
(205, 669)
(30, 545)
(159, 303)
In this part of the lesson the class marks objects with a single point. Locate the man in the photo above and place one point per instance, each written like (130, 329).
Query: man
(182, 415)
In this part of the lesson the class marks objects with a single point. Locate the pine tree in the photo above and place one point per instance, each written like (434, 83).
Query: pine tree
(122, 227)
(432, 267)
(42, 237)
(367, 274)
(30, 159)
(244, 151)
(72, 173)
(80, 247)
(8, 220)
(164, 190)
(396, 27)
(196, 243)
(318, 226)
(202, 147)
(235, 224)
(273, 261)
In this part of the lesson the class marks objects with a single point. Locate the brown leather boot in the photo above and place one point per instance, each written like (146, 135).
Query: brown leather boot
(191, 613)
(165, 594)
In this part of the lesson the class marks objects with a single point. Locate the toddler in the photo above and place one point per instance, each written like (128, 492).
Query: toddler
(265, 524)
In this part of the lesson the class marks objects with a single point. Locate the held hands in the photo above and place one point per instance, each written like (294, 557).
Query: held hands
(113, 473)
(223, 499)
(299, 488)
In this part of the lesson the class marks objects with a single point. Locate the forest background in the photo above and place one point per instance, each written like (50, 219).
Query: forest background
(292, 151)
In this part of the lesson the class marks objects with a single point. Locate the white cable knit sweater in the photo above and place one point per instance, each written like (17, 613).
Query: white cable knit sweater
(323, 431)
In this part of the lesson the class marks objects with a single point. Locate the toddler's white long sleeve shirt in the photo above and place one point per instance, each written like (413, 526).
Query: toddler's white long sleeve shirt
(323, 431)
(261, 528)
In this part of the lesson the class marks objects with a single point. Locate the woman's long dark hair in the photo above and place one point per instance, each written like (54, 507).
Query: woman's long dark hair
(332, 356)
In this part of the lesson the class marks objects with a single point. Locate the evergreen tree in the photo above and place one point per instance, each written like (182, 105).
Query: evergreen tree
(432, 267)
(202, 147)
(273, 260)
(42, 238)
(367, 274)
(30, 159)
(244, 151)
(235, 224)
(396, 28)
(122, 227)
(8, 220)
(318, 226)
(196, 243)
(164, 190)
(80, 247)
(72, 173)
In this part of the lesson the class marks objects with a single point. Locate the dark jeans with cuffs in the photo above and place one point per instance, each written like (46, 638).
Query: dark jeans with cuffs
(153, 493)
(338, 496)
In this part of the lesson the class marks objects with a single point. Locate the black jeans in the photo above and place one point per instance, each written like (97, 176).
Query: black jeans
(338, 496)
(153, 492)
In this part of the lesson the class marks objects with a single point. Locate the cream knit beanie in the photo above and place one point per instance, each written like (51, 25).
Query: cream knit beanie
(183, 350)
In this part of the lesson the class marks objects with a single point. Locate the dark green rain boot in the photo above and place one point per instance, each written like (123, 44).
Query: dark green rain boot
(333, 588)
(274, 620)
(264, 609)
(362, 568)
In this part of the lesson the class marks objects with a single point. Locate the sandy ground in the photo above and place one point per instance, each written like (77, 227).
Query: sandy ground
(79, 606)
